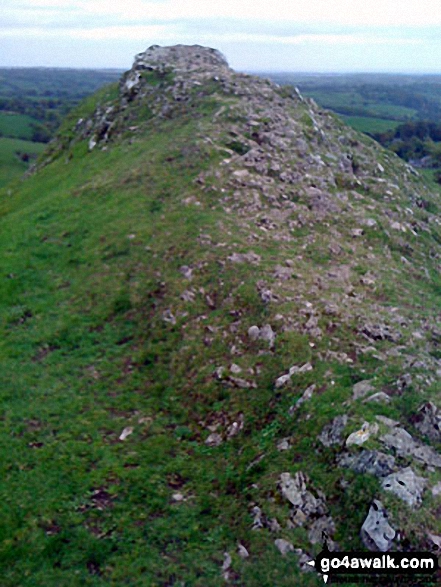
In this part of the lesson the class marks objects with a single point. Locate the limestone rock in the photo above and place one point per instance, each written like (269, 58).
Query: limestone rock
(332, 432)
(297, 491)
(376, 532)
(180, 58)
(405, 445)
(428, 421)
(368, 461)
(406, 485)
(362, 435)
(361, 389)
(283, 546)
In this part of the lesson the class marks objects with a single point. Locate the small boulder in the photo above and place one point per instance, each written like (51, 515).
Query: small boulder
(361, 436)
(406, 485)
(428, 421)
(283, 546)
(361, 389)
(332, 432)
(376, 532)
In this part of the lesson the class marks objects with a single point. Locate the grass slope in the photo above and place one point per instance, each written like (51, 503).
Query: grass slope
(11, 165)
(92, 248)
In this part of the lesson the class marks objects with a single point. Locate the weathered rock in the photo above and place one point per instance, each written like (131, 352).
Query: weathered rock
(242, 551)
(306, 396)
(284, 379)
(362, 435)
(428, 421)
(380, 332)
(368, 461)
(214, 439)
(323, 526)
(259, 519)
(283, 444)
(436, 489)
(283, 546)
(405, 445)
(180, 58)
(406, 485)
(268, 335)
(376, 532)
(254, 332)
(378, 398)
(361, 389)
(297, 491)
(332, 432)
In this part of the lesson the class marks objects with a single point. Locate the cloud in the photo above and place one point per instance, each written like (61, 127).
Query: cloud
(377, 13)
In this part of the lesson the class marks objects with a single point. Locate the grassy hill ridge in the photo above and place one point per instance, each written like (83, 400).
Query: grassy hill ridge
(187, 243)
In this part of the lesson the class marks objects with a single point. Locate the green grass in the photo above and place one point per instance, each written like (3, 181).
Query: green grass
(92, 247)
(370, 125)
(11, 164)
(17, 126)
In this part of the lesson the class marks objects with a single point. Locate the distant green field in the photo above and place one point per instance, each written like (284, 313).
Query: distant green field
(11, 166)
(17, 126)
(369, 125)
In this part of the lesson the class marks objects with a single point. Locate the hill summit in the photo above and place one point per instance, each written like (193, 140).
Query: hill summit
(220, 324)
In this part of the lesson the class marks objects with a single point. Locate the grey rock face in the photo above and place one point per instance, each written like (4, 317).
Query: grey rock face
(332, 433)
(369, 461)
(361, 389)
(297, 491)
(405, 445)
(180, 58)
(376, 532)
(428, 421)
(406, 485)
(283, 546)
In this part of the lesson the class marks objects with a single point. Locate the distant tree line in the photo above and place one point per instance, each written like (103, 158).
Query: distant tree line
(417, 142)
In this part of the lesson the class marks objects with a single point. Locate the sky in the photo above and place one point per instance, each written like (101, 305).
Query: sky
(254, 35)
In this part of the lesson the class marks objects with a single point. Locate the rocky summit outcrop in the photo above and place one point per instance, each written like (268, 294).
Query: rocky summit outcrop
(298, 320)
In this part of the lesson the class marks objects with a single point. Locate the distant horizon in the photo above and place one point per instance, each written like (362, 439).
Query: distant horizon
(246, 71)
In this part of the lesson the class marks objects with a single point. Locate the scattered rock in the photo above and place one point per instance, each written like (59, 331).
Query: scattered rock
(242, 551)
(259, 519)
(125, 433)
(368, 461)
(283, 379)
(380, 332)
(306, 396)
(186, 271)
(332, 432)
(268, 335)
(428, 421)
(214, 439)
(362, 435)
(387, 421)
(405, 445)
(168, 316)
(380, 398)
(283, 444)
(404, 382)
(254, 332)
(177, 497)
(361, 389)
(283, 546)
(376, 532)
(297, 491)
(406, 485)
(436, 489)
(245, 258)
(324, 526)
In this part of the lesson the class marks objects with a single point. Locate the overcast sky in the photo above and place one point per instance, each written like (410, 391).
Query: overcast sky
(254, 35)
